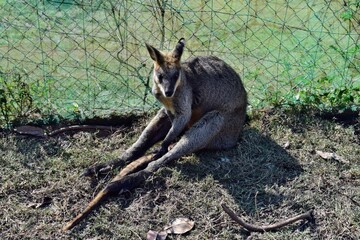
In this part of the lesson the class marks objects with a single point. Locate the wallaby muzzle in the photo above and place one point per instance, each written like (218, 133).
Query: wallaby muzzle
(169, 93)
(169, 90)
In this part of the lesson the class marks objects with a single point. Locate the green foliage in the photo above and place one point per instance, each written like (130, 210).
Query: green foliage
(347, 15)
(322, 94)
(348, 54)
(352, 7)
(330, 92)
(15, 98)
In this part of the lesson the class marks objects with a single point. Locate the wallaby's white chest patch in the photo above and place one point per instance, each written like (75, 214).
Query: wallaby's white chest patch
(168, 104)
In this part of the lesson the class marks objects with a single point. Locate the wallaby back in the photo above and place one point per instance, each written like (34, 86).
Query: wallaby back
(214, 84)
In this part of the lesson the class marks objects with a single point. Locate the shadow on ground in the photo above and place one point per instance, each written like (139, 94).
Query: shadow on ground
(247, 171)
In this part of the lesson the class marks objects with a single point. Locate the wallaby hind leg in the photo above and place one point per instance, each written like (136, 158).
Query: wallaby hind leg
(196, 138)
(230, 133)
(153, 133)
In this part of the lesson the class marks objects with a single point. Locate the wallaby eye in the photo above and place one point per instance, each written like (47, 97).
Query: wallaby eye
(160, 78)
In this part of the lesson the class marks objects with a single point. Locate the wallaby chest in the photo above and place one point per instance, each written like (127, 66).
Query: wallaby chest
(168, 103)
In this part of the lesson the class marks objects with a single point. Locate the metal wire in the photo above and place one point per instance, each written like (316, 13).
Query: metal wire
(88, 57)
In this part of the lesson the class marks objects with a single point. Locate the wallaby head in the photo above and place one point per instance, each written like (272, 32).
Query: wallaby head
(167, 68)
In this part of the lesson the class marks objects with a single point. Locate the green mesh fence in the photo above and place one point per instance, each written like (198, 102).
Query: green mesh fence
(71, 57)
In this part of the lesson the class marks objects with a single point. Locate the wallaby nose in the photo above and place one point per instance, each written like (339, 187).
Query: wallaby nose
(168, 93)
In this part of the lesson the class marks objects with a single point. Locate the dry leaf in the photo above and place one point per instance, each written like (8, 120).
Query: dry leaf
(30, 130)
(44, 202)
(154, 235)
(179, 226)
(329, 156)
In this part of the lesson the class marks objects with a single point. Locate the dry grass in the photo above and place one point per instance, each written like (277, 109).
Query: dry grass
(260, 179)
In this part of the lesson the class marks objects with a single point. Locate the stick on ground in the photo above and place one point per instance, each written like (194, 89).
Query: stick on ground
(309, 215)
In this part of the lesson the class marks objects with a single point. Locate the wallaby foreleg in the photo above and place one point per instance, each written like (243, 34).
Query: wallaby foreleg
(153, 133)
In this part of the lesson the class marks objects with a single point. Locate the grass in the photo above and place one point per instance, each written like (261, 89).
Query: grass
(260, 178)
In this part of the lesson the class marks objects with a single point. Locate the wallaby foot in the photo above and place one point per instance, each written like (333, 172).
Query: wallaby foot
(99, 169)
(161, 151)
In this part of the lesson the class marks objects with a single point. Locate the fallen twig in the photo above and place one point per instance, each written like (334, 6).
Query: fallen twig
(39, 132)
(81, 128)
(309, 215)
(118, 184)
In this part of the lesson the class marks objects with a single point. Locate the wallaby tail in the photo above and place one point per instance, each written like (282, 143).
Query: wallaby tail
(100, 197)
(114, 187)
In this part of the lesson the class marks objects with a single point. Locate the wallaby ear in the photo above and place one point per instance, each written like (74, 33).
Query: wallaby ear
(179, 49)
(155, 54)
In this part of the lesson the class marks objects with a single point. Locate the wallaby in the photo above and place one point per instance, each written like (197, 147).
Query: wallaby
(204, 101)
(203, 98)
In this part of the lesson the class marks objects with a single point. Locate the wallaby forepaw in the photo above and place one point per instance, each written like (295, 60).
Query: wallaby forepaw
(159, 153)
(99, 169)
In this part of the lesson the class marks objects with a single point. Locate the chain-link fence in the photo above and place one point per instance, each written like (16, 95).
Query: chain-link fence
(88, 57)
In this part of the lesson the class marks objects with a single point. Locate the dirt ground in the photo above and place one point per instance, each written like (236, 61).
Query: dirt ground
(274, 173)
